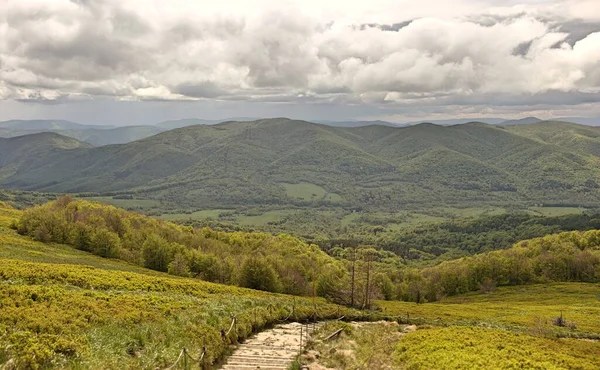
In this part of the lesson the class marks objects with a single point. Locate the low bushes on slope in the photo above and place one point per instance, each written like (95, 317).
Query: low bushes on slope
(568, 256)
(74, 316)
(479, 348)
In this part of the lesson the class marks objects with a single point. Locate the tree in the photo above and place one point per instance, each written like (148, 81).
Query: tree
(331, 284)
(157, 253)
(258, 274)
(179, 265)
(385, 285)
(105, 243)
(368, 255)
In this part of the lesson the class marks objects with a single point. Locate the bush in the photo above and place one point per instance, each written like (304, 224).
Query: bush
(257, 273)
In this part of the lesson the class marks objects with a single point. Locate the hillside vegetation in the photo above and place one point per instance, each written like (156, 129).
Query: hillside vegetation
(435, 242)
(568, 256)
(286, 264)
(236, 164)
(511, 327)
(256, 260)
(65, 308)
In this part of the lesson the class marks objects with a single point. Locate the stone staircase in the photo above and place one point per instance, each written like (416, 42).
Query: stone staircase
(273, 349)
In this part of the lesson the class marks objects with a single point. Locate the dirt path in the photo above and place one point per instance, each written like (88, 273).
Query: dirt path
(273, 349)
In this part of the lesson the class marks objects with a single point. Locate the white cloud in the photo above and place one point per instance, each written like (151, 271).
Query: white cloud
(321, 51)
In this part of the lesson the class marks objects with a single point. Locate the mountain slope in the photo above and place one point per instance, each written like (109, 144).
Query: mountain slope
(93, 136)
(236, 163)
(585, 139)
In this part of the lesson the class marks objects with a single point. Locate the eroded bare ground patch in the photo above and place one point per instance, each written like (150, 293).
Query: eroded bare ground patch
(360, 345)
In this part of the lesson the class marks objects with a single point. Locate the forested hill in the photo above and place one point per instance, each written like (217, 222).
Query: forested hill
(239, 163)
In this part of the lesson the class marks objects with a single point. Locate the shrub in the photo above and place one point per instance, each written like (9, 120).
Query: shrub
(257, 273)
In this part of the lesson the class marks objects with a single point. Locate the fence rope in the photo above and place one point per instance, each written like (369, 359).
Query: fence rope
(288, 316)
(185, 353)
(231, 327)
(178, 359)
(199, 359)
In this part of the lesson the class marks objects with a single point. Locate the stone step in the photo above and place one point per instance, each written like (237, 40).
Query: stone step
(246, 367)
(273, 349)
(265, 347)
(268, 354)
(260, 363)
(242, 357)
(256, 360)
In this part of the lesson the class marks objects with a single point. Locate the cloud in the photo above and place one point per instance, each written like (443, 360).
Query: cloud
(386, 53)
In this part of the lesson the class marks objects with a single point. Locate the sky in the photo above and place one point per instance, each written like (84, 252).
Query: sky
(140, 62)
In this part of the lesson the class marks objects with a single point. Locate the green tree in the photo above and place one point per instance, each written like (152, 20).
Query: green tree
(180, 265)
(157, 253)
(258, 274)
(105, 243)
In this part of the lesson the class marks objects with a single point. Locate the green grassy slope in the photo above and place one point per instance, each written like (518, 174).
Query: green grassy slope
(377, 167)
(64, 308)
(510, 328)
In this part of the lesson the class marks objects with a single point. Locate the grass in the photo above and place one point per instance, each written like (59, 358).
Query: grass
(529, 308)
(359, 346)
(510, 328)
(304, 191)
(348, 219)
(64, 308)
(310, 192)
(479, 348)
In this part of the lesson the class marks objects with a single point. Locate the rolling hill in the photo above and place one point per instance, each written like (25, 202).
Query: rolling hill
(381, 167)
(94, 135)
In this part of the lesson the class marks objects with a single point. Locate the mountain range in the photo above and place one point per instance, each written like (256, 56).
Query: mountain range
(96, 135)
(100, 135)
(258, 162)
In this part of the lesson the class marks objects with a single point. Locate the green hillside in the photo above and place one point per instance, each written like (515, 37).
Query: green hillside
(584, 139)
(75, 293)
(510, 328)
(92, 136)
(373, 167)
(65, 308)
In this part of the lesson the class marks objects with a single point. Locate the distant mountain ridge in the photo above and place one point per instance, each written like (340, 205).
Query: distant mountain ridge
(100, 135)
(522, 121)
(259, 162)
(49, 125)
(96, 135)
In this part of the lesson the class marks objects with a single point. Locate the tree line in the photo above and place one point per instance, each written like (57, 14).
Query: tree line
(351, 273)
(256, 260)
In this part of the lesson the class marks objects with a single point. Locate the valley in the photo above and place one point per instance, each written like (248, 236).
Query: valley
(471, 231)
(306, 185)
